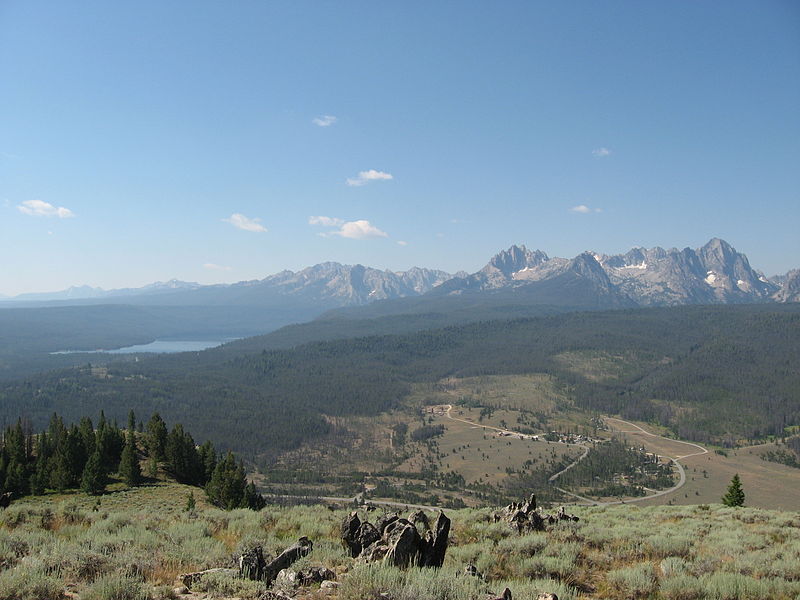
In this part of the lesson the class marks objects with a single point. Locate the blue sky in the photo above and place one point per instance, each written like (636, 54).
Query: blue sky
(143, 141)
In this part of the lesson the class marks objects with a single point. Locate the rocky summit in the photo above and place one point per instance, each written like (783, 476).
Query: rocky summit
(713, 274)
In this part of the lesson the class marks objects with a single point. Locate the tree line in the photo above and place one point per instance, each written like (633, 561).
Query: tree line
(86, 457)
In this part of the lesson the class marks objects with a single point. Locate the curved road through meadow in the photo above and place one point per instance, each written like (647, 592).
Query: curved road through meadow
(682, 473)
(637, 429)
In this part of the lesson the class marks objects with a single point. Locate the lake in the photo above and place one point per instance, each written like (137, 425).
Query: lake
(158, 346)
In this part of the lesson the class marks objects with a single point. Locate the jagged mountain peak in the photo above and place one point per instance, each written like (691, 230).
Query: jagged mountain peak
(713, 273)
(515, 259)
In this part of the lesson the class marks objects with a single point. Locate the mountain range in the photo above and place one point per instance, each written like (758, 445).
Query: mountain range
(714, 273)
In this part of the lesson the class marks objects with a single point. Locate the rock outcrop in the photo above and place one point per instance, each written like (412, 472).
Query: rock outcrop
(525, 516)
(252, 564)
(397, 541)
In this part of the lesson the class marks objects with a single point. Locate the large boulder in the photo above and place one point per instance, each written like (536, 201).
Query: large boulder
(405, 546)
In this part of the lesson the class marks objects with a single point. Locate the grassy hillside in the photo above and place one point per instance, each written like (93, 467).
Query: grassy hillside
(138, 546)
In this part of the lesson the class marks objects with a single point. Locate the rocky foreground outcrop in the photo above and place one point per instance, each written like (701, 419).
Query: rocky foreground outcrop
(397, 541)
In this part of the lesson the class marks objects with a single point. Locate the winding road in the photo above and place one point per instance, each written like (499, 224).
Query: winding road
(637, 429)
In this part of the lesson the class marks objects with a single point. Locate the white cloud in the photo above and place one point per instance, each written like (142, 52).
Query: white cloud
(325, 221)
(241, 222)
(584, 210)
(324, 120)
(40, 208)
(359, 230)
(601, 152)
(365, 177)
(215, 267)
(402, 243)
(355, 230)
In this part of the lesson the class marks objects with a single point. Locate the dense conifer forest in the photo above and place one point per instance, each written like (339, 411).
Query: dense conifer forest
(714, 374)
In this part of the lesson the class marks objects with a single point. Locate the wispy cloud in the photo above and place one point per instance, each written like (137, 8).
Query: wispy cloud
(324, 120)
(402, 243)
(354, 230)
(364, 177)
(40, 208)
(601, 152)
(584, 210)
(239, 221)
(325, 221)
(215, 267)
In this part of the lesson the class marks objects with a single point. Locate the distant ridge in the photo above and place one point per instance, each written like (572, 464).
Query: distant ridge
(713, 274)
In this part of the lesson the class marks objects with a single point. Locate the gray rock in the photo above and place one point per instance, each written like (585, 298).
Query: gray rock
(383, 522)
(329, 585)
(404, 546)
(435, 543)
(286, 579)
(420, 518)
(251, 564)
(315, 575)
(350, 529)
(367, 535)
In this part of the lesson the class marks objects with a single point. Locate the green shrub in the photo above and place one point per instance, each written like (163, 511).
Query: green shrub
(525, 545)
(29, 584)
(672, 566)
(638, 581)
(221, 585)
(117, 587)
(682, 587)
(414, 584)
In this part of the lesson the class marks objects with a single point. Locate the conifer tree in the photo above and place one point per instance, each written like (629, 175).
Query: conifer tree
(228, 487)
(94, 478)
(208, 458)
(87, 436)
(735, 494)
(156, 437)
(129, 468)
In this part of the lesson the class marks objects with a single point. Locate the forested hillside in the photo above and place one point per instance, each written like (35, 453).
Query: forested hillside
(719, 374)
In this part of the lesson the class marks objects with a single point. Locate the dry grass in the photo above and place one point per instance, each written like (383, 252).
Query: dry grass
(612, 553)
(766, 484)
